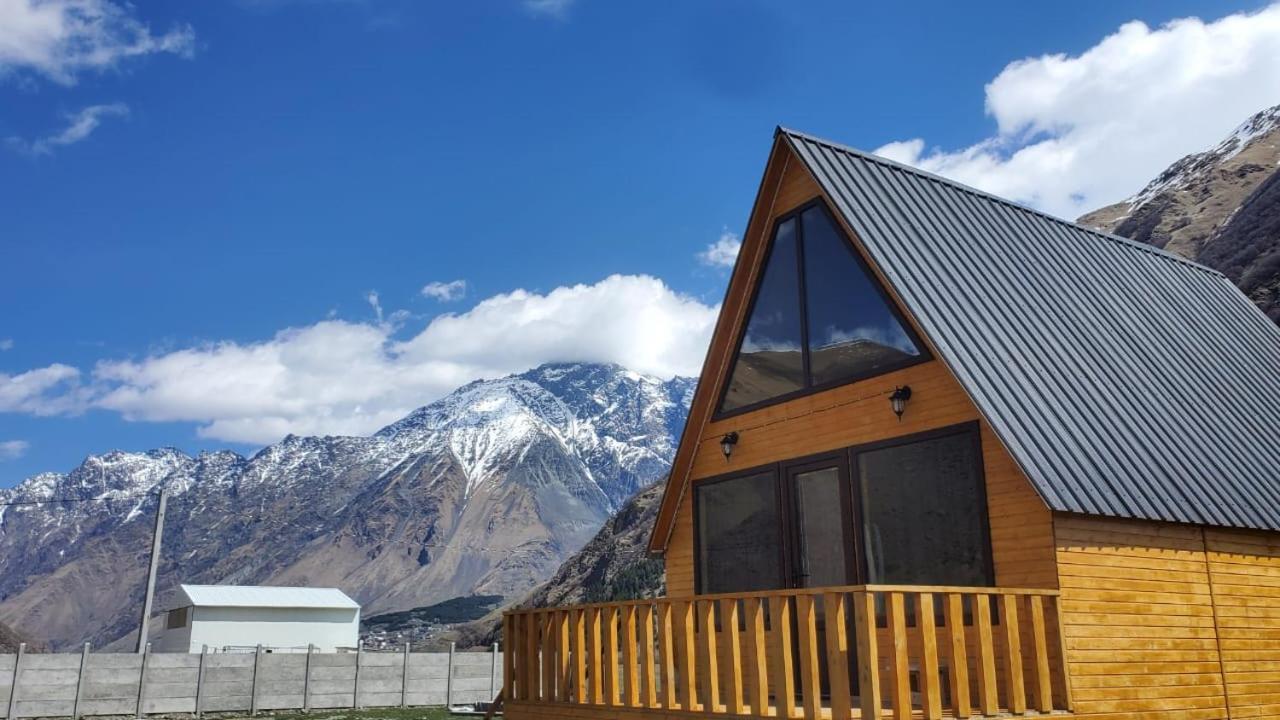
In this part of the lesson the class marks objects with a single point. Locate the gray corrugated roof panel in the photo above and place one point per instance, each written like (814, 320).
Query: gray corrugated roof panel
(1125, 381)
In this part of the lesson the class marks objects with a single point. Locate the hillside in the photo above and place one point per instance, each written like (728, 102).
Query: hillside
(484, 492)
(613, 566)
(1220, 207)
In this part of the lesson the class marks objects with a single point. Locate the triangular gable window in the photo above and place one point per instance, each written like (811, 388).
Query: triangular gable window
(818, 318)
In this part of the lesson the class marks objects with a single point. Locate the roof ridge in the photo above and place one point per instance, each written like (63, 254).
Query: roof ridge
(925, 174)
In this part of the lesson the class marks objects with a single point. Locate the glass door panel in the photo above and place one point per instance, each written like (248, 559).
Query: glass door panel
(822, 528)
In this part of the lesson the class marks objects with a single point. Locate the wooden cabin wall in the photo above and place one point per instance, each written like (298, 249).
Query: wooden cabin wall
(1167, 620)
(1021, 525)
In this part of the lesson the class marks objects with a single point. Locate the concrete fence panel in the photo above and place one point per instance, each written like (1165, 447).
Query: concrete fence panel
(82, 684)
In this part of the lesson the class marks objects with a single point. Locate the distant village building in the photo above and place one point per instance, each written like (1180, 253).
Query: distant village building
(231, 618)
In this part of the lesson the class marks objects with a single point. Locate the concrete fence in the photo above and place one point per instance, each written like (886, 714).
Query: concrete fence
(79, 684)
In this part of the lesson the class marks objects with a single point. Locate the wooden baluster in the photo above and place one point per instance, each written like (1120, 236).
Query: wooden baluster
(611, 655)
(1068, 703)
(837, 656)
(648, 688)
(579, 635)
(987, 700)
(757, 658)
(709, 661)
(509, 656)
(957, 657)
(733, 647)
(667, 655)
(1044, 683)
(930, 690)
(594, 666)
(564, 655)
(784, 679)
(530, 624)
(686, 657)
(1017, 690)
(864, 629)
(630, 679)
(810, 682)
(901, 668)
(547, 622)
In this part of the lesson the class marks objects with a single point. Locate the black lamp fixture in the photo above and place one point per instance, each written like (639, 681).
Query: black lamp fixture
(727, 442)
(898, 400)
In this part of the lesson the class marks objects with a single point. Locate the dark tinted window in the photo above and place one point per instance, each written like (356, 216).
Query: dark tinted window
(738, 544)
(842, 329)
(852, 331)
(923, 513)
(769, 360)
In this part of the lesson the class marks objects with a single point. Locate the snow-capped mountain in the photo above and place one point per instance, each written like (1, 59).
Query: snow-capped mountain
(485, 491)
(1220, 207)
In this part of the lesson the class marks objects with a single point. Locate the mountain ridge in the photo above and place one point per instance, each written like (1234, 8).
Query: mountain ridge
(484, 491)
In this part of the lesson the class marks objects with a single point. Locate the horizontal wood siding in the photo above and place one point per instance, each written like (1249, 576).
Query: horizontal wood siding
(1138, 619)
(1244, 571)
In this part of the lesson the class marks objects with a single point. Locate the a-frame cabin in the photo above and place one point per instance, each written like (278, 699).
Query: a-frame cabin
(948, 457)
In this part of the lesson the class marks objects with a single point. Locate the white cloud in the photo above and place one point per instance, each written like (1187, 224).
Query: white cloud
(338, 377)
(52, 390)
(79, 126)
(1078, 132)
(723, 252)
(59, 39)
(13, 449)
(6, 344)
(558, 9)
(445, 291)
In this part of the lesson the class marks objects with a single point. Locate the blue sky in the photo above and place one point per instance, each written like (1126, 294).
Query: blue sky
(224, 221)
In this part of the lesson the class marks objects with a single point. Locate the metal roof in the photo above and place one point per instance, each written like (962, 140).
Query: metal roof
(1124, 380)
(266, 597)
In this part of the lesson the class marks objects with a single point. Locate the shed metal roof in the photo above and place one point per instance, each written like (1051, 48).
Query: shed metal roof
(269, 597)
(1124, 380)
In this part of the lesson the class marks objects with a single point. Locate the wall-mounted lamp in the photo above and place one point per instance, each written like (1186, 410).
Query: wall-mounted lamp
(898, 400)
(726, 444)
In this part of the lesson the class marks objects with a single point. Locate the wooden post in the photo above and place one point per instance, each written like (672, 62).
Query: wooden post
(142, 676)
(784, 680)
(987, 699)
(253, 693)
(667, 658)
(757, 658)
(493, 672)
(733, 649)
(837, 656)
(864, 628)
(13, 688)
(810, 680)
(355, 690)
(404, 677)
(84, 663)
(1043, 685)
(306, 680)
(648, 683)
(1013, 654)
(204, 656)
(930, 683)
(448, 678)
(957, 656)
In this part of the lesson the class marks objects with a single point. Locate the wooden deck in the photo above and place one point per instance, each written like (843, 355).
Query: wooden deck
(906, 652)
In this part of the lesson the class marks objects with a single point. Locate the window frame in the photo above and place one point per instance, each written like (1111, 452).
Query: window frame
(809, 389)
(846, 459)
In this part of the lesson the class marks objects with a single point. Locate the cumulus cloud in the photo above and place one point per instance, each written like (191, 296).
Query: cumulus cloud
(79, 126)
(558, 9)
(445, 291)
(13, 449)
(52, 390)
(723, 252)
(340, 377)
(60, 39)
(1075, 132)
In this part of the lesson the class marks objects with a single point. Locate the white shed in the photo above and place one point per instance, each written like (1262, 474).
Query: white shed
(233, 618)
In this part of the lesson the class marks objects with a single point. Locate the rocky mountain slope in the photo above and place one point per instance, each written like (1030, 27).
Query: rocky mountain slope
(1220, 207)
(614, 566)
(486, 491)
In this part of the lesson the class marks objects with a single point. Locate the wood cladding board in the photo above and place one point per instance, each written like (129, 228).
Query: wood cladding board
(1244, 575)
(1138, 617)
(1021, 524)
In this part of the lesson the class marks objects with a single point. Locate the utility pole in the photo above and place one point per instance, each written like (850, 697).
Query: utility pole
(151, 574)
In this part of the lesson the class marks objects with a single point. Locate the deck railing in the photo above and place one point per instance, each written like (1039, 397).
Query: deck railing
(845, 652)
